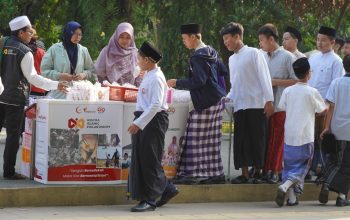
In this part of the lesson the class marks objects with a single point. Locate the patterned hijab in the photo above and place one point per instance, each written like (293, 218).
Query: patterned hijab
(115, 61)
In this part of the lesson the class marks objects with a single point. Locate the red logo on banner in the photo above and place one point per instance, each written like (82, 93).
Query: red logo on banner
(101, 109)
(76, 123)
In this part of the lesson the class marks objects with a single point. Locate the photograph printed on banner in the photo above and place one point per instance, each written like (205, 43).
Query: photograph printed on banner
(64, 147)
(172, 152)
(126, 156)
(109, 151)
(88, 148)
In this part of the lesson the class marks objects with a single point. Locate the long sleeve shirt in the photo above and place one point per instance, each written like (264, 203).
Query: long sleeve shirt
(202, 81)
(1, 86)
(250, 79)
(29, 72)
(151, 97)
(325, 68)
(56, 61)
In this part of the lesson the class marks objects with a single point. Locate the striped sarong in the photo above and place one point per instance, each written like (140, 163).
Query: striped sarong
(336, 173)
(200, 155)
(297, 162)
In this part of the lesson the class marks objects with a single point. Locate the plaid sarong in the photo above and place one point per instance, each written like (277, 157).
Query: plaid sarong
(200, 155)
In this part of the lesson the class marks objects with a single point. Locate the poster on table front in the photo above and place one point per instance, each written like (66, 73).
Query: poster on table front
(79, 142)
(178, 114)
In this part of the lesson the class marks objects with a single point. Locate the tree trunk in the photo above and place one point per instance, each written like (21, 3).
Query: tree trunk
(126, 9)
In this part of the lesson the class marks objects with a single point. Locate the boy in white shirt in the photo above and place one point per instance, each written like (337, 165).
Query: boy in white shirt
(300, 102)
(252, 97)
(147, 180)
(336, 174)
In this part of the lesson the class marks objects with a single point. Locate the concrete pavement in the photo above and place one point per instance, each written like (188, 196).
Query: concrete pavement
(26, 193)
(202, 211)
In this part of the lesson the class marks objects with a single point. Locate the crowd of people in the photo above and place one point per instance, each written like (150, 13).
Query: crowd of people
(287, 108)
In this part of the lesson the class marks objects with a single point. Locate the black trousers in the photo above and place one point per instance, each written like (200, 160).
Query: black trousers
(2, 116)
(250, 136)
(147, 179)
(13, 116)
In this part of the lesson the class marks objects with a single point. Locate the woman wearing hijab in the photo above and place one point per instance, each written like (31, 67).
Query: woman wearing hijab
(117, 61)
(67, 60)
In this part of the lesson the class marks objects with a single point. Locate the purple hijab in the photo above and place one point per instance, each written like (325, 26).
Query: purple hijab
(115, 61)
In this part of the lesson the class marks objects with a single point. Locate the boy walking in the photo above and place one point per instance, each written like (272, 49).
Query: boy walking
(147, 180)
(336, 174)
(300, 102)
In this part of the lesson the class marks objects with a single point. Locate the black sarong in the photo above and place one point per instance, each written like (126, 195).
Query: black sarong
(147, 180)
(336, 173)
(249, 138)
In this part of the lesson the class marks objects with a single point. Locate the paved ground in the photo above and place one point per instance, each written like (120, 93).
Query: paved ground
(200, 211)
(2, 147)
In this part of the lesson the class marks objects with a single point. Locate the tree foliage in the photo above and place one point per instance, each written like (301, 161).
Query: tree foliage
(159, 21)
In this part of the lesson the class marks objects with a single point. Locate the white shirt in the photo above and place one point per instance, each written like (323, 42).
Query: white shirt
(325, 68)
(200, 45)
(151, 97)
(298, 54)
(339, 94)
(250, 79)
(300, 102)
(29, 72)
(1, 86)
